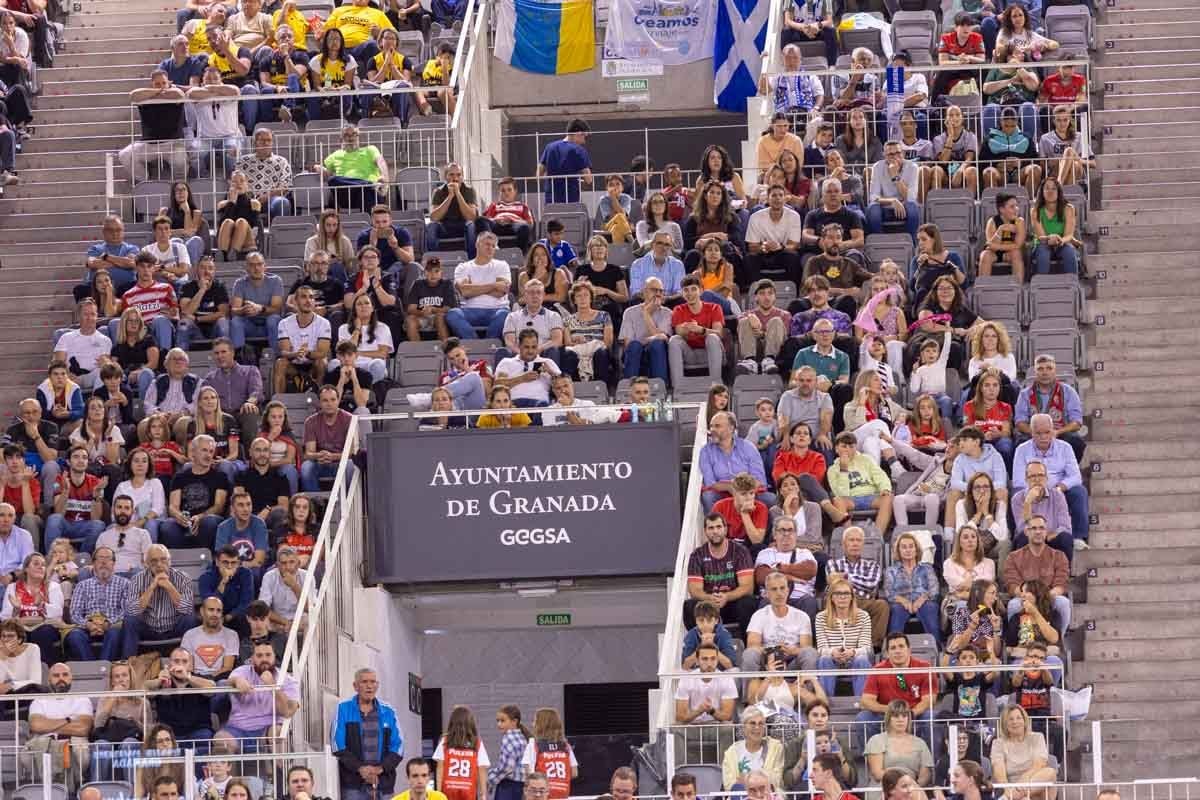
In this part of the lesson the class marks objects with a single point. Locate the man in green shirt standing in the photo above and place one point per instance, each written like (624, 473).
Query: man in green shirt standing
(359, 171)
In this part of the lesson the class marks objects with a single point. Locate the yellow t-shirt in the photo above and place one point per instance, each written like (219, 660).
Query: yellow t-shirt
(296, 21)
(355, 23)
(433, 75)
(399, 61)
(430, 794)
(198, 40)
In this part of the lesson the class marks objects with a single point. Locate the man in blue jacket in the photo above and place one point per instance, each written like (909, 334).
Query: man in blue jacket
(367, 742)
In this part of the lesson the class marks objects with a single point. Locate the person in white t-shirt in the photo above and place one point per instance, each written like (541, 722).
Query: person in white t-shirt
(304, 341)
(773, 236)
(86, 349)
(61, 715)
(705, 698)
(174, 263)
(372, 338)
(483, 283)
(798, 564)
(527, 374)
(781, 628)
(535, 316)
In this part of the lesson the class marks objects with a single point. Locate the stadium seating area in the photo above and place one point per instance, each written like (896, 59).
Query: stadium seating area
(890, 331)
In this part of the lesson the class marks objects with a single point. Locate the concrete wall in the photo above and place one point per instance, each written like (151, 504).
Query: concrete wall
(388, 640)
(683, 88)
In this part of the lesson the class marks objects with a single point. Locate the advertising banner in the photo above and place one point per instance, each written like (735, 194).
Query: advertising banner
(558, 502)
(670, 32)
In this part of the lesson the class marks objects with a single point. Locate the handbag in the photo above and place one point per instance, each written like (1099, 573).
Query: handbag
(118, 729)
(964, 88)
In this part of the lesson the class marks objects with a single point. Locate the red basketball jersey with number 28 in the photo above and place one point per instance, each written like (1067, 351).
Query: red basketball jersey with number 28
(460, 774)
(554, 761)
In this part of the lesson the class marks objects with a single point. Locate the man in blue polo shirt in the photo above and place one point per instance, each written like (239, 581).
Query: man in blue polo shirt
(567, 156)
(726, 455)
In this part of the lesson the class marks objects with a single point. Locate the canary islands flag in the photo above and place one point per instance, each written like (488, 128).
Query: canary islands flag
(550, 37)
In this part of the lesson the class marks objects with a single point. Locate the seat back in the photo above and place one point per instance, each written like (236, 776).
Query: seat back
(148, 198)
(1059, 338)
(300, 406)
(952, 210)
(577, 226)
(112, 790)
(896, 246)
(997, 297)
(873, 546)
(596, 391)
(1070, 26)
(870, 38)
(418, 363)
(658, 390)
(1056, 297)
(914, 31)
(415, 186)
(307, 193)
(89, 676)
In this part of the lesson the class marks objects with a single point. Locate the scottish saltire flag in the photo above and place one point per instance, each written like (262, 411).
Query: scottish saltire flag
(737, 51)
(550, 37)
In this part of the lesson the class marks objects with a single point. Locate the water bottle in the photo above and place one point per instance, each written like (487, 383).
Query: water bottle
(635, 412)
(660, 412)
(895, 100)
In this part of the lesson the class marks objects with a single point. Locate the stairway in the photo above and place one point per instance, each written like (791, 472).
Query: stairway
(47, 220)
(1141, 618)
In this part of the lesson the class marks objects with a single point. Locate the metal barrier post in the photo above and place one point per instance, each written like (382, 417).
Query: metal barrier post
(952, 746)
(189, 771)
(1097, 753)
(47, 777)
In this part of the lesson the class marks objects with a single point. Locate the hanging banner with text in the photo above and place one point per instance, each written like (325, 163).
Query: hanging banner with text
(559, 502)
(669, 32)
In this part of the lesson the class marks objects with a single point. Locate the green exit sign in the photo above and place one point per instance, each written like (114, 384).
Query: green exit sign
(628, 85)
(550, 620)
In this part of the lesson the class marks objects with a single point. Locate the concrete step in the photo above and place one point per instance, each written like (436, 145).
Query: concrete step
(1119, 75)
(46, 286)
(1134, 671)
(115, 6)
(34, 225)
(1132, 201)
(1131, 731)
(1164, 42)
(140, 72)
(33, 176)
(1158, 529)
(1118, 16)
(1135, 415)
(138, 55)
(1136, 219)
(1140, 137)
(127, 46)
(1126, 336)
(88, 196)
(1118, 164)
(146, 31)
(1144, 691)
(1127, 56)
(1162, 574)
(85, 234)
(1166, 484)
(1166, 192)
(1169, 260)
(1142, 593)
(1146, 710)
(116, 19)
(1144, 503)
(1151, 97)
(1141, 385)
(1134, 556)
(1123, 368)
(1114, 311)
(70, 144)
(1128, 764)
(107, 85)
(1145, 613)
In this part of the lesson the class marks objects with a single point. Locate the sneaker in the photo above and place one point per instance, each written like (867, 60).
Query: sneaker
(898, 470)
(8, 178)
(285, 114)
(747, 366)
(1080, 544)
(769, 367)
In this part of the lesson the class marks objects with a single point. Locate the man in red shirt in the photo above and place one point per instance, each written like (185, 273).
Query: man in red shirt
(960, 46)
(78, 503)
(22, 490)
(697, 340)
(1064, 86)
(914, 687)
(153, 299)
(510, 216)
(745, 515)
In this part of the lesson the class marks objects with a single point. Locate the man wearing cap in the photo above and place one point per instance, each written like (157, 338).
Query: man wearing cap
(762, 330)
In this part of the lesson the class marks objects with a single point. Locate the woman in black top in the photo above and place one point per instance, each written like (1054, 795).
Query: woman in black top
(103, 294)
(608, 281)
(136, 351)
(187, 221)
(238, 214)
(946, 298)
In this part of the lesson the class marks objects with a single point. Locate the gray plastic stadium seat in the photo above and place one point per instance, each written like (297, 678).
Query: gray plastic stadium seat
(916, 32)
(418, 363)
(896, 246)
(923, 646)
(998, 297)
(577, 227)
(148, 198)
(385, 133)
(450, 259)
(300, 406)
(747, 395)
(596, 391)
(691, 388)
(1055, 297)
(763, 384)
(785, 292)
(481, 348)
(1059, 338)
(511, 256)
(286, 241)
(1075, 195)
(89, 676)
(620, 255)
(307, 194)
(708, 777)
(412, 44)
(1071, 27)
(34, 791)
(198, 556)
(870, 38)
(416, 185)
(952, 210)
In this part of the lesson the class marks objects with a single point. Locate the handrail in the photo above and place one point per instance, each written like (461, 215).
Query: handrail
(689, 529)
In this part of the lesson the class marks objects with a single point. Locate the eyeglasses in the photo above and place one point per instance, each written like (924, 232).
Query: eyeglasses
(841, 594)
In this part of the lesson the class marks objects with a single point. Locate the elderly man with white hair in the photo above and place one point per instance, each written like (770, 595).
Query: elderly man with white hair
(161, 604)
(755, 759)
(1062, 471)
(795, 91)
(173, 393)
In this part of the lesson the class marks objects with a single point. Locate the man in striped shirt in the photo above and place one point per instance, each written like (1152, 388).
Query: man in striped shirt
(161, 603)
(864, 575)
(154, 300)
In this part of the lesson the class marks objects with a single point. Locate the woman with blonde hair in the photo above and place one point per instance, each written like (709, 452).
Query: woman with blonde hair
(501, 397)
(1019, 755)
(210, 419)
(549, 753)
(871, 416)
(982, 506)
(136, 350)
(238, 216)
(117, 726)
(911, 588)
(991, 347)
(843, 636)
